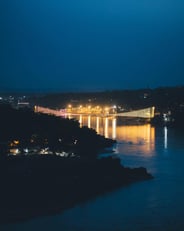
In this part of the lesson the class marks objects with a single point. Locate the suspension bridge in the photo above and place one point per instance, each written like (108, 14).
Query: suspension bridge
(146, 113)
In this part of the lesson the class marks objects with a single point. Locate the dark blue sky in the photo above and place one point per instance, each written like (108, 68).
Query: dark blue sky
(91, 44)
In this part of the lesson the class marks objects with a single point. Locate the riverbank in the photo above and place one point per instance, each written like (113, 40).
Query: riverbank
(41, 185)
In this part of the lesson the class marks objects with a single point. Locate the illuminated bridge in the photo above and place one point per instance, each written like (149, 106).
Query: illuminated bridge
(146, 113)
(142, 113)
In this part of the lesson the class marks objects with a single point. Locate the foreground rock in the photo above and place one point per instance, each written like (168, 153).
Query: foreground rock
(42, 185)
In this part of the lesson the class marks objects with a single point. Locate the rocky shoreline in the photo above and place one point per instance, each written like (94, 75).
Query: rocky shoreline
(38, 185)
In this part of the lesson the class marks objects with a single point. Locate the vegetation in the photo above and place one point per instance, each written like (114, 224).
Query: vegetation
(46, 184)
(163, 98)
(26, 129)
(33, 185)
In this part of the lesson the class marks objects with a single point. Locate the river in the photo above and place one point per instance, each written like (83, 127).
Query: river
(156, 204)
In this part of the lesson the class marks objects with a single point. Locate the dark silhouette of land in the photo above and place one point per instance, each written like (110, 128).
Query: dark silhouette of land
(41, 185)
(34, 184)
(40, 131)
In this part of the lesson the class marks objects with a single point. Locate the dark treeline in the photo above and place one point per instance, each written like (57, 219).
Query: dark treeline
(36, 184)
(167, 100)
(41, 130)
(162, 98)
(42, 185)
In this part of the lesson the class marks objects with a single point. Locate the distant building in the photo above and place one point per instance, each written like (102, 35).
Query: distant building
(23, 105)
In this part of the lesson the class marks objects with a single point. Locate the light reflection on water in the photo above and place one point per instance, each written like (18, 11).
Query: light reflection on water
(140, 138)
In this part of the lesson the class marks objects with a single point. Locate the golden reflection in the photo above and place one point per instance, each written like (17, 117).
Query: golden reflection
(134, 133)
(114, 128)
(140, 138)
(89, 121)
(80, 120)
(97, 124)
(133, 138)
(106, 133)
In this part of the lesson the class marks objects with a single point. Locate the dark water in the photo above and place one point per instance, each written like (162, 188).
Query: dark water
(157, 204)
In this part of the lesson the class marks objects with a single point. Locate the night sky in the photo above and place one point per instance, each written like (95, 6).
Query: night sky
(81, 45)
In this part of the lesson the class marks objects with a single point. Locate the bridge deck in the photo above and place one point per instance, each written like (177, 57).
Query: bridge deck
(142, 113)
